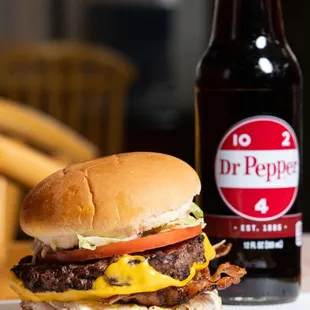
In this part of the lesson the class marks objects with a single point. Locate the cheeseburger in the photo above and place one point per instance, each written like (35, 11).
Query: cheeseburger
(120, 232)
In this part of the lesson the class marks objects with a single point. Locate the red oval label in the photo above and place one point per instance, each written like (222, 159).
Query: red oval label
(257, 168)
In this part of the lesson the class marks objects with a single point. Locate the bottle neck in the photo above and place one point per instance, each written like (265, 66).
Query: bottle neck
(247, 19)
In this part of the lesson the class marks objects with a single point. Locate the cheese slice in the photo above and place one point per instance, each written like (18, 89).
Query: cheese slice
(120, 278)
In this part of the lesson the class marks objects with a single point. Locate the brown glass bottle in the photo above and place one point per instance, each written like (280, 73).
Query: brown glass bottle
(249, 77)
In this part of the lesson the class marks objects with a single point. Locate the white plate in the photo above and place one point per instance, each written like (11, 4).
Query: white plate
(301, 304)
(9, 305)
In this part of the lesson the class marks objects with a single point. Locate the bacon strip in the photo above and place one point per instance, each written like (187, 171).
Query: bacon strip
(233, 276)
(223, 250)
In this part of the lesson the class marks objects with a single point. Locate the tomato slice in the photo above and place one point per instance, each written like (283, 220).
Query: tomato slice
(127, 247)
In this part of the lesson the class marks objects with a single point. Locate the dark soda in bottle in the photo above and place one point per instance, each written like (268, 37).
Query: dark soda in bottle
(248, 148)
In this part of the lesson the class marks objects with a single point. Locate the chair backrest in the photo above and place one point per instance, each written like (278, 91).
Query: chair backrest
(10, 197)
(44, 132)
(31, 144)
(81, 85)
(19, 165)
(25, 164)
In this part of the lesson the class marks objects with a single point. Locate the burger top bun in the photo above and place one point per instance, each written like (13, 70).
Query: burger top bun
(117, 196)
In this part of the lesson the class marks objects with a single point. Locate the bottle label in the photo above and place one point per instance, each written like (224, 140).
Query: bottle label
(238, 227)
(257, 176)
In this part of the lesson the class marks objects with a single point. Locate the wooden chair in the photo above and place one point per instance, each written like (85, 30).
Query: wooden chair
(32, 146)
(81, 85)
(43, 132)
(19, 165)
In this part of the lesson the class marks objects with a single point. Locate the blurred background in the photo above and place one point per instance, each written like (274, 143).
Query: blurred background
(81, 79)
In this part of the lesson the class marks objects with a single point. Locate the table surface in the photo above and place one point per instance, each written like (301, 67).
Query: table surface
(306, 264)
(19, 250)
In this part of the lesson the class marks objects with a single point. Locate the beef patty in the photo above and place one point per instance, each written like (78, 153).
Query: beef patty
(224, 277)
(174, 261)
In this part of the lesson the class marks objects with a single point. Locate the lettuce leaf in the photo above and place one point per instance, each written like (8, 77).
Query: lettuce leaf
(186, 221)
(194, 218)
(196, 211)
(90, 243)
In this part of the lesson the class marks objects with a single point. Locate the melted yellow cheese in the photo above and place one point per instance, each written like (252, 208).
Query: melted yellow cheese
(131, 279)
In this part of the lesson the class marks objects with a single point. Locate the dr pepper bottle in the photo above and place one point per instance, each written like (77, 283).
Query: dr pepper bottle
(248, 148)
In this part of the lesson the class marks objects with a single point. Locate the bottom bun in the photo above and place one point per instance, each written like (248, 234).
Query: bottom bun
(204, 301)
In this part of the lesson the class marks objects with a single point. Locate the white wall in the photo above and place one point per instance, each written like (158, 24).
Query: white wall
(24, 20)
(75, 8)
(189, 42)
(190, 32)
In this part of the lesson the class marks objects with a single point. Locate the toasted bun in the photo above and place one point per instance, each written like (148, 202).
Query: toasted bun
(116, 196)
(204, 301)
